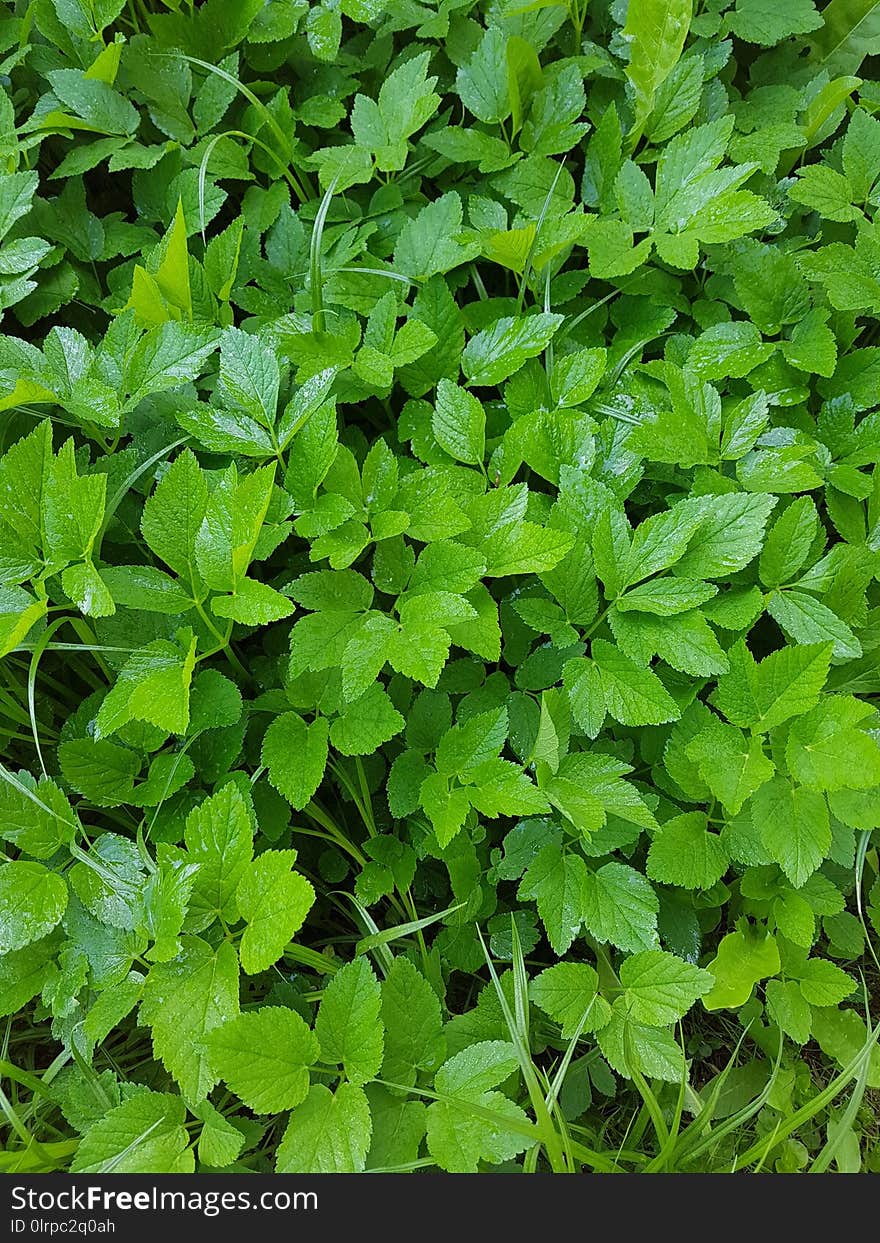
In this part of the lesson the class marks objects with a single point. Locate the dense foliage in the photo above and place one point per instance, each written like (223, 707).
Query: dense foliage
(439, 529)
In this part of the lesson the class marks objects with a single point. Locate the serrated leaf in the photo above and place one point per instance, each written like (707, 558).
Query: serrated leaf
(183, 1001)
(329, 1133)
(660, 988)
(274, 901)
(621, 907)
(295, 755)
(264, 1056)
(348, 1025)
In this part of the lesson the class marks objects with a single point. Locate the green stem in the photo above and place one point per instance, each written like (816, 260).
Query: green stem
(223, 643)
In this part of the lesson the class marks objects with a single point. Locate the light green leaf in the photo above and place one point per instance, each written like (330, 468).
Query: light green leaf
(143, 1135)
(660, 988)
(656, 30)
(743, 958)
(329, 1133)
(183, 1001)
(295, 755)
(498, 352)
(153, 686)
(348, 1025)
(32, 902)
(274, 901)
(263, 1056)
(219, 837)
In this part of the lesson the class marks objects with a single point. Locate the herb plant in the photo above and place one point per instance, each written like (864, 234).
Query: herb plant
(439, 529)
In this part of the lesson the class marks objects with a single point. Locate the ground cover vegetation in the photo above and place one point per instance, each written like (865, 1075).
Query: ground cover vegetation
(439, 528)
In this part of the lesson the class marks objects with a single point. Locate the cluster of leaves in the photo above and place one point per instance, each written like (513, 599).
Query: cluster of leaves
(439, 618)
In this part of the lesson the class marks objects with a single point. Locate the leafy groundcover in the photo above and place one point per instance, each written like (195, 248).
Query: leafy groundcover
(439, 528)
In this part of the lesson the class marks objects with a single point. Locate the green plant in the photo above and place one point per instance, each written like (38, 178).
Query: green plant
(439, 537)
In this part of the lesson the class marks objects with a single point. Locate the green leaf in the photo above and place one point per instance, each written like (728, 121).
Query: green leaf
(728, 350)
(666, 596)
(660, 988)
(743, 959)
(621, 907)
(557, 882)
(823, 983)
(732, 766)
(633, 696)
(263, 1056)
(567, 992)
(184, 1000)
(37, 826)
(759, 21)
(659, 542)
(809, 621)
(786, 683)
(219, 1142)
(629, 1046)
(825, 750)
(32, 902)
(252, 603)
(787, 1007)
(348, 1025)
(104, 109)
(850, 32)
(249, 375)
(788, 542)
(406, 101)
(458, 1138)
(684, 853)
(367, 724)
(413, 1024)
(482, 83)
(274, 902)
(295, 755)
(729, 536)
(524, 548)
(144, 587)
(165, 357)
(174, 513)
(329, 1133)
(398, 1129)
(823, 190)
(23, 974)
(234, 516)
(143, 1135)
(498, 352)
(459, 423)
(428, 244)
(794, 827)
